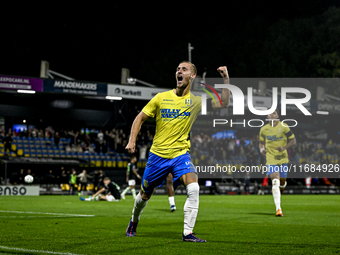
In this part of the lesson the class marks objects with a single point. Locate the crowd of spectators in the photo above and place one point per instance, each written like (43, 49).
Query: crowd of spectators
(222, 151)
(85, 140)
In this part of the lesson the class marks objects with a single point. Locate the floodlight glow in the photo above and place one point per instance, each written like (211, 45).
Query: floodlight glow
(26, 91)
(113, 98)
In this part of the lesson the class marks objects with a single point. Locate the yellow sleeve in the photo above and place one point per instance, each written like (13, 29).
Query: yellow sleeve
(151, 108)
(262, 136)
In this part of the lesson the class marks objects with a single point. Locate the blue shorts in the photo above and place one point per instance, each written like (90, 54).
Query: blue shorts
(282, 169)
(158, 168)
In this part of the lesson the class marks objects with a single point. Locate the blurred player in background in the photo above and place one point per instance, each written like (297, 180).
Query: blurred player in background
(131, 174)
(275, 139)
(171, 192)
(175, 112)
(111, 189)
(170, 185)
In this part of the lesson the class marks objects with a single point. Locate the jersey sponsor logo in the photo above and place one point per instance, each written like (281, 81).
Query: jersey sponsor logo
(273, 138)
(173, 113)
(279, 157)
(168, 100)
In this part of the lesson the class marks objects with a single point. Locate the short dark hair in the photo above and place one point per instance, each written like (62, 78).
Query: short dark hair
(194, 69)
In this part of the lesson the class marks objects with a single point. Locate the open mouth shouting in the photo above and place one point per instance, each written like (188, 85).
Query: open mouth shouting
(179, 79)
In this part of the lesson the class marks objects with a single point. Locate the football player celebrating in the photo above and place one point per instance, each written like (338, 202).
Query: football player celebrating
(175, 111)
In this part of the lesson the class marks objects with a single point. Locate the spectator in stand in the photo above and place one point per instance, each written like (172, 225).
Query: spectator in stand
(29, 172)
(250, 155)
(79, 148)
(142, 152)
(50, 177)
(100, 136)
(24, 133)
(63, 176)
(326, 181)
(265, 181)
(68, 148)
(71, 136)
(7, 143)
(95, 175)
(120, 147)
(56, 139)
(21, 176)
(101, 146)
(33, 133)
(72, 181)
(83, 181)
(247, 183)
(14, 178)
(101, 177)
(308, 181)
(2, 134)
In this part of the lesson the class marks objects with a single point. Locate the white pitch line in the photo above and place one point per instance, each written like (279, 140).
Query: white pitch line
(35, 251)
(51, 216)
(61, 214)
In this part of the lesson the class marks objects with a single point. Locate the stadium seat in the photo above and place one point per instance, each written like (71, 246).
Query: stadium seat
(20, 152)
(120, 162)
(98, 163)
(13, 147)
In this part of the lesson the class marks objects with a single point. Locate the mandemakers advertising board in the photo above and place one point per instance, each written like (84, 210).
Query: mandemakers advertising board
(19, 190)
(75, 87)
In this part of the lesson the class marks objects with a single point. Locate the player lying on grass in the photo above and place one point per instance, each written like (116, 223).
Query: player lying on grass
(275, 139)
(111, 190)
(175, 112)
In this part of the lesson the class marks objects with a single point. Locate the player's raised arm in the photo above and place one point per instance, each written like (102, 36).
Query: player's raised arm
(136, 125)
(225, 95)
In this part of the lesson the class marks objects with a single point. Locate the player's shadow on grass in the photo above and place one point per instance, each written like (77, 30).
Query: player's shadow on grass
(164, 210)
(261, 213)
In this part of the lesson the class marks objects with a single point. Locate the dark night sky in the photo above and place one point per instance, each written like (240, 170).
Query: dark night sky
(93, 43)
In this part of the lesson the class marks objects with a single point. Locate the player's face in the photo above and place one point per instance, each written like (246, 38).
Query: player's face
(106, 182)
(273, 115)
(183, 75)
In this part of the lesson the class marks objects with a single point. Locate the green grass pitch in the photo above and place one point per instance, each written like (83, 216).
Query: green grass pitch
(230, 224)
